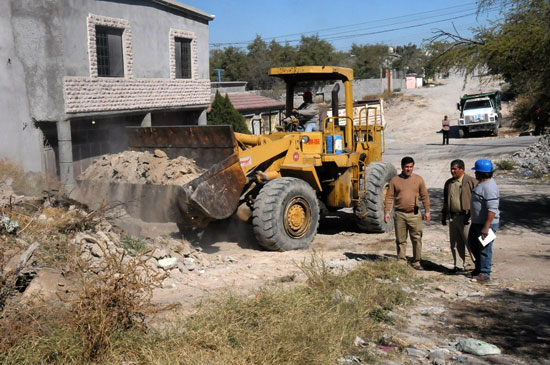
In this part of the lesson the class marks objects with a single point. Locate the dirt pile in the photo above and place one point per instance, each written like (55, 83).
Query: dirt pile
(142, 168)
(534, 161)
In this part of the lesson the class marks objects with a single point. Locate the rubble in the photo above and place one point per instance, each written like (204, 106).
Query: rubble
(534, 161)
(142, 168)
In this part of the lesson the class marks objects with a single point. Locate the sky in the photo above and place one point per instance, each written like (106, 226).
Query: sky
(340, 22)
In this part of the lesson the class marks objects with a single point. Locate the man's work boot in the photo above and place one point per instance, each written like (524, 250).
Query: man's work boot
(481, 278)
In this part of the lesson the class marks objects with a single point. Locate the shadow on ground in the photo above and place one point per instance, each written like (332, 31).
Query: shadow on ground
(530, 211)
(517, 322)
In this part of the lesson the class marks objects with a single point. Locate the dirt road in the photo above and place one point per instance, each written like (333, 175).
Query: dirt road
(512, 312)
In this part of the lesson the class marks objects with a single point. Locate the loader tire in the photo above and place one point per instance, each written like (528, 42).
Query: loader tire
(285, 215)
(370, 211)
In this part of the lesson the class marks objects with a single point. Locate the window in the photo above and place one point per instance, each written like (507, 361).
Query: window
(183, 58)
(477, 104)
(110, 61)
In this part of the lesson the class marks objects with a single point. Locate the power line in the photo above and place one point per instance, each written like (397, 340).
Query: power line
(424, 13)
(397, 23)
(329, 39)
(370, 22)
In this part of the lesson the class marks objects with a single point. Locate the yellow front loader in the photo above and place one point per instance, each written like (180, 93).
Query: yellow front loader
(279, 182)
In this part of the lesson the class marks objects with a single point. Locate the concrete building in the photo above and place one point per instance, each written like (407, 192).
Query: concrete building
(75, 73)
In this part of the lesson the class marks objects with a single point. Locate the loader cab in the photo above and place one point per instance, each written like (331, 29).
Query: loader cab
(352, 131)
(298, 78)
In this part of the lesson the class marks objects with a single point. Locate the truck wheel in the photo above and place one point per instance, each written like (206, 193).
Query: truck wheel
(285, 215)
(495, 130)
(370, 211)
(462, 133)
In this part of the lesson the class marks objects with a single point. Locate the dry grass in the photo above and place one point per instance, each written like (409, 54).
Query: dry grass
(315, 323)
(103, 319)
(114, 296)
(112, 299)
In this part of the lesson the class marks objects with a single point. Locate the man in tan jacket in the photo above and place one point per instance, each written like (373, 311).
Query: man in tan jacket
(403, 193)
(456, 206)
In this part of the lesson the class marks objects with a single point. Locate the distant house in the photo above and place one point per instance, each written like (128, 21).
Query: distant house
(252, 106)
(75, 73)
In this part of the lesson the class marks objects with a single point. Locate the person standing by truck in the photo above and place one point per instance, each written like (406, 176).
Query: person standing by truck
(445, 129)
(403, 193)
(485, 215)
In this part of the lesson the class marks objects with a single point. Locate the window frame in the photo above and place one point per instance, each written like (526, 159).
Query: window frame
(108, 63)
(94, 21)
(184, 63)
(174, 62)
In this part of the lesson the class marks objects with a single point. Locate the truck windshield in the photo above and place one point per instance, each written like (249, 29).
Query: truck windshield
(477, 104)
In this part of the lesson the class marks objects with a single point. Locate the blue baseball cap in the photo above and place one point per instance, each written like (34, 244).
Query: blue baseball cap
(483, 166)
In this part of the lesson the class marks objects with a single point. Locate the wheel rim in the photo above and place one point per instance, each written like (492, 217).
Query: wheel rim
(297, 217)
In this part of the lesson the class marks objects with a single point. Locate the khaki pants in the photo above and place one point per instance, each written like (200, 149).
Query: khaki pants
(458, 235)
(412, 224)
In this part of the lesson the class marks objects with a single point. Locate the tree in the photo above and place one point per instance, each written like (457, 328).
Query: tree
(314, 51)
(259, 63)
(411, 59)
(282, 55)
(516, 48)
(368, 59)
(232, 60)
(223, 112)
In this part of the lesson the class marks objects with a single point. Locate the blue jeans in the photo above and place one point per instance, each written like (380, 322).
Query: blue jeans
(483, 255)
(310, 127)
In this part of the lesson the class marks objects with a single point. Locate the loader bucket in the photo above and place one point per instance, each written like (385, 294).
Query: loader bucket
(213, 195)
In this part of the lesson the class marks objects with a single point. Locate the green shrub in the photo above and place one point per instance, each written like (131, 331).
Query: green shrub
(505, 165)
(224, 113)
(133, 245)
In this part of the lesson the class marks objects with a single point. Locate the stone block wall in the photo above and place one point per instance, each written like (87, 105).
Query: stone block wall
(84, 94)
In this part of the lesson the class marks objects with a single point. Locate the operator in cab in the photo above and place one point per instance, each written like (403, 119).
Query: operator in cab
(307, 113)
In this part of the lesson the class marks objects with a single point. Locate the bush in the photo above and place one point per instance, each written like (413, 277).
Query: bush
(114, 296)
(531, 112)
(223, 113)
(505, 165)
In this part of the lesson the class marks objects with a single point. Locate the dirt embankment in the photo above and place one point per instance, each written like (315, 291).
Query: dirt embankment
(142, 168)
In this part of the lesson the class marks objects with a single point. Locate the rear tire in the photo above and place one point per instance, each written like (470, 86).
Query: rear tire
(462, 133)
(370, 212)
(285, 215)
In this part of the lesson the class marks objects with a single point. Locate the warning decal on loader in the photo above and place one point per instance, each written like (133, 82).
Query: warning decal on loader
(246, 161)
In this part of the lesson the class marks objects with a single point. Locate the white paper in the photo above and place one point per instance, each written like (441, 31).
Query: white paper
(490, 236)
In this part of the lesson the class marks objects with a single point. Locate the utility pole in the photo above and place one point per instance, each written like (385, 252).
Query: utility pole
(219, 71)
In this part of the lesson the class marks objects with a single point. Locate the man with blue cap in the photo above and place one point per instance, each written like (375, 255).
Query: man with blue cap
(485, 215)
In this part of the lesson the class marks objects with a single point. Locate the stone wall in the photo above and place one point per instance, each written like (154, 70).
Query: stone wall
(84, 94)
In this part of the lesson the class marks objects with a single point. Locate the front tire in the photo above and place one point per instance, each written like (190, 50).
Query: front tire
(370, 211)
(285, 215)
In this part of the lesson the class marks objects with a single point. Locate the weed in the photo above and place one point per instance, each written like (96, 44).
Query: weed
(380, 314)
(114, 296)
(133, 245)
(505, 165)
